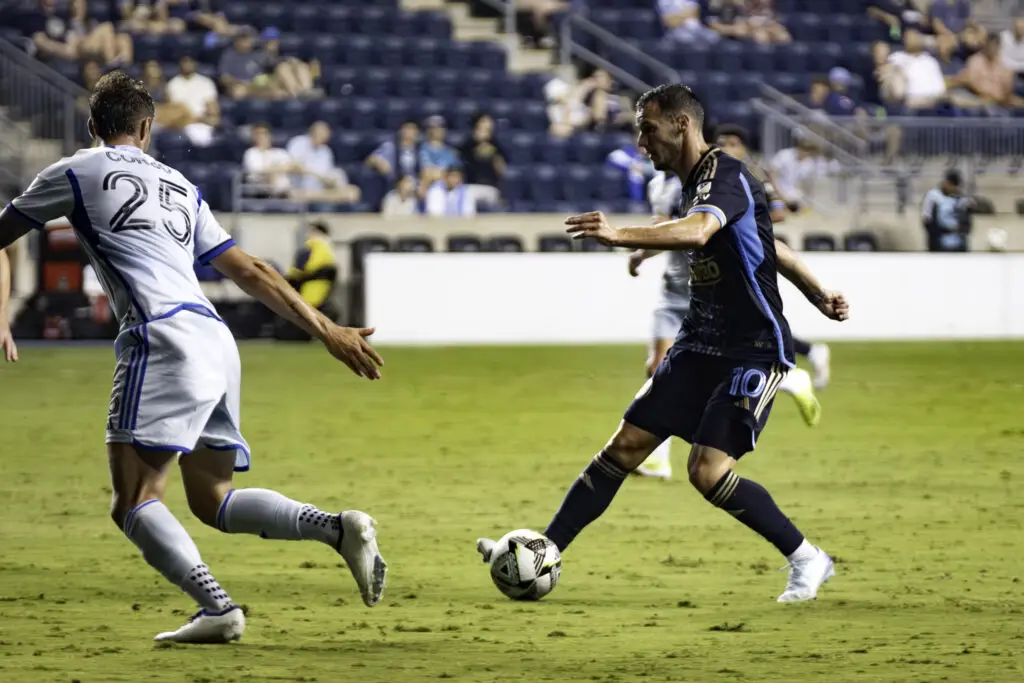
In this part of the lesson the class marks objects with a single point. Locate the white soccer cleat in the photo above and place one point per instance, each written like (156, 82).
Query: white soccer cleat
(358, 547)
(820, 358)
(797, 384)
(657, 465)
(209, 628)
(485, 547)
(806, 577)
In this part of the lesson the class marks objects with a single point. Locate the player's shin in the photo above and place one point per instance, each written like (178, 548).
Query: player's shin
(168, 548)
(587, 499)
(269, 514)
(751, 504)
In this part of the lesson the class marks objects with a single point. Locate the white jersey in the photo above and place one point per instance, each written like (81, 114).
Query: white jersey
(665, 193)
(141, 223)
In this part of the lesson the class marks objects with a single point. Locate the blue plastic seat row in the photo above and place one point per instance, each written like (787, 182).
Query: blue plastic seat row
(567, 182)
(440, 83)
(312, 19)
(825, 7)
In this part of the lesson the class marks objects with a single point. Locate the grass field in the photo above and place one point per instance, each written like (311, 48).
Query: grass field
(913, 481)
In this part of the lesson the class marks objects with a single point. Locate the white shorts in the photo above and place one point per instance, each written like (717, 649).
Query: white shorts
(177, 387)
(668, 320)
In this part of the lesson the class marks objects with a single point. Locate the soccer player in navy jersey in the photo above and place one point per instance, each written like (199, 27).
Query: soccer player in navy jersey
(715, 387)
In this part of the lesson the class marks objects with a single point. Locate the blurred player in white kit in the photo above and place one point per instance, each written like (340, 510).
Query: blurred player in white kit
(664, 193)
(177, 377)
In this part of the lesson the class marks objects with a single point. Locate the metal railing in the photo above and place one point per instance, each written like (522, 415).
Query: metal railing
(575, 22)
(33, 92)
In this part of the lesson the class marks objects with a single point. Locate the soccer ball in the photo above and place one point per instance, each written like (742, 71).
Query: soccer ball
(525, 565)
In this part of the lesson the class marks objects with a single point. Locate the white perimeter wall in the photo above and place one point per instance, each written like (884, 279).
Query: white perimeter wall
(589, 298)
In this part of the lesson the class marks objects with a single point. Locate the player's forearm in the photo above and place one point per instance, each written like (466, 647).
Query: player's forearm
(5, 285)
(794, 270)
(691, 232)
(266, 285)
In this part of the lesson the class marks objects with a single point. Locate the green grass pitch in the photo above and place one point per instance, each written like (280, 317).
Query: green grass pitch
(913, 481)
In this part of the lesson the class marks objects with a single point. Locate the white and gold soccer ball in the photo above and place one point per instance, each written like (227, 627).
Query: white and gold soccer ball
(525, 565)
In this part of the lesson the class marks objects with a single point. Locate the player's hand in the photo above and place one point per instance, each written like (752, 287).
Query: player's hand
(832, 305)
(7, 342)
(635, 259)
(592, 224)
(349, 345)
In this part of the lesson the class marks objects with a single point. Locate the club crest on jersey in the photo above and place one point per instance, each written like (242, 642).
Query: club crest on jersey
(703, 191)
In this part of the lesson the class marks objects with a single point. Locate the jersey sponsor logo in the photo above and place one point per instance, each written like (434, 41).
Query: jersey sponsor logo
(704, 272)
(703, 192)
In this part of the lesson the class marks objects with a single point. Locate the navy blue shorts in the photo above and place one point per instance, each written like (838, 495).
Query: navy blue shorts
(713, 401)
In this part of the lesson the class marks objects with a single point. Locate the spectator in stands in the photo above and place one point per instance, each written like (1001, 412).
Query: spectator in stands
(71, 36)
(152, 77)
(315, 270)
(291, 77)
(946, 215)
(541, 12)
(989, 79)
(148, 17)
(566, 113)
(748, 20)
(317, 178)
(169, 115)
(951, 19)
(449, 196)
(243, 69)
(636, 169)
(399, 157)
(435, 154)
(832, 95)
(899, 16)
(483, 161)
(266, 167)
(91, 72)
(603, 107)
(681, 19)
(197, 93)
(792, 172)
(1012, 46)
(402, 200)
(200, 14)
(917, 82)
(949, 58)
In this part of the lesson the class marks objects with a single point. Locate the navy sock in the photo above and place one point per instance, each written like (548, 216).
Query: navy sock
(750, 503)
(801, 347)
(588, 497)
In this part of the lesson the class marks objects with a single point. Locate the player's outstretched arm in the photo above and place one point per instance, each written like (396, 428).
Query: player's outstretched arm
(6, 339)
(259, 280)
(13, 226)
(832, 304)
(691, 232)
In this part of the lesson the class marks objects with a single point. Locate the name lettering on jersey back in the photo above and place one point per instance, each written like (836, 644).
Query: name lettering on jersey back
(117, 156)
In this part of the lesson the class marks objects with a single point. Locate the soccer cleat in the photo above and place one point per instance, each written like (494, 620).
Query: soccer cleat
(820, 358)
(358, 547)
(208, 628)
(485, 547)
(807, 576)
(657, 468)
(798, 385)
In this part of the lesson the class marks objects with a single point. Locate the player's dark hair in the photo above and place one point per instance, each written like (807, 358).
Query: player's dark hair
(734, 130)
(320, 227)
(674, 98)
(118, 104)
(410, 122)
(953, 177)
(820, 80)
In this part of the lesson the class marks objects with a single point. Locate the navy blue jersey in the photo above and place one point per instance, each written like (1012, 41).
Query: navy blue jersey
(735, 305)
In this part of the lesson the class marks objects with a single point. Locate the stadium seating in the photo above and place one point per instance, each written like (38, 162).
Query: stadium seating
(819, 242)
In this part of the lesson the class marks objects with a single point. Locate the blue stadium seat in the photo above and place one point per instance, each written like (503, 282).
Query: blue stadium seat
(579, 183)
(586, 148)
(860, 241)
(464, 243)
(541, 181)
(796, 58)
(762, 58)
(338, 20)
(503, 243)
(513, 185)
(360, 247)
(306, 19)
(819, 242)
(612, 185)
(414, 244)
(411, 82)
(355, 51)
(591, 245)
(839, 28)
(376, 82)
(551, 150)
(374, 21)
(388, 51)
(477, 83)
(274, 15)
(554, 243)
(728, 56)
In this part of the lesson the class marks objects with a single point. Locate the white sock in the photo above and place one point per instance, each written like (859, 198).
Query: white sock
(168, 548)
(268, 514)
(662, 454)
(805, 552)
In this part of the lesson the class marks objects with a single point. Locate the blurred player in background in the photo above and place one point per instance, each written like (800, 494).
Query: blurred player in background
(6, 340)
(177, 378)
(716, 385)
(664, 193)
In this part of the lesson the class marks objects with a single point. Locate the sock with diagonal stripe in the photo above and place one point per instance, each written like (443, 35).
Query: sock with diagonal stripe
(750, 503)
(588, 497)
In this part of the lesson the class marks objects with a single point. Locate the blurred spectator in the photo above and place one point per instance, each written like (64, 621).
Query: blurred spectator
(988, 78)
(946, 216)
(763, 25)
(899, 16)
(604, 109)
(316, 177)
(1012, 46)
(435, 154)
(200, 14)
(952, 19)
(483, 161)
(449, 196)
(72, 36)
(153, 78)
(316, 270)
(566, 113)
(838, 102)
(148, 17)
(266, 167)
(541, 12)
(636, 169)
(949, 58)
(243, 69)
(681, 19)
(92, 71)
(402, 200)
(792, 172)
(292, 77)
(196, 92)
(917, 83)
(399, 157)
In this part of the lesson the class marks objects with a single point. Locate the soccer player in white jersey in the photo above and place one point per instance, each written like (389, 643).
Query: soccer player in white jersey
(664, 194)
(177, 377)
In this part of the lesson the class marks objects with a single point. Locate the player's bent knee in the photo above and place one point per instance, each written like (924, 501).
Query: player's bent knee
(207, 478)
(707, 466)
(630, 446)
